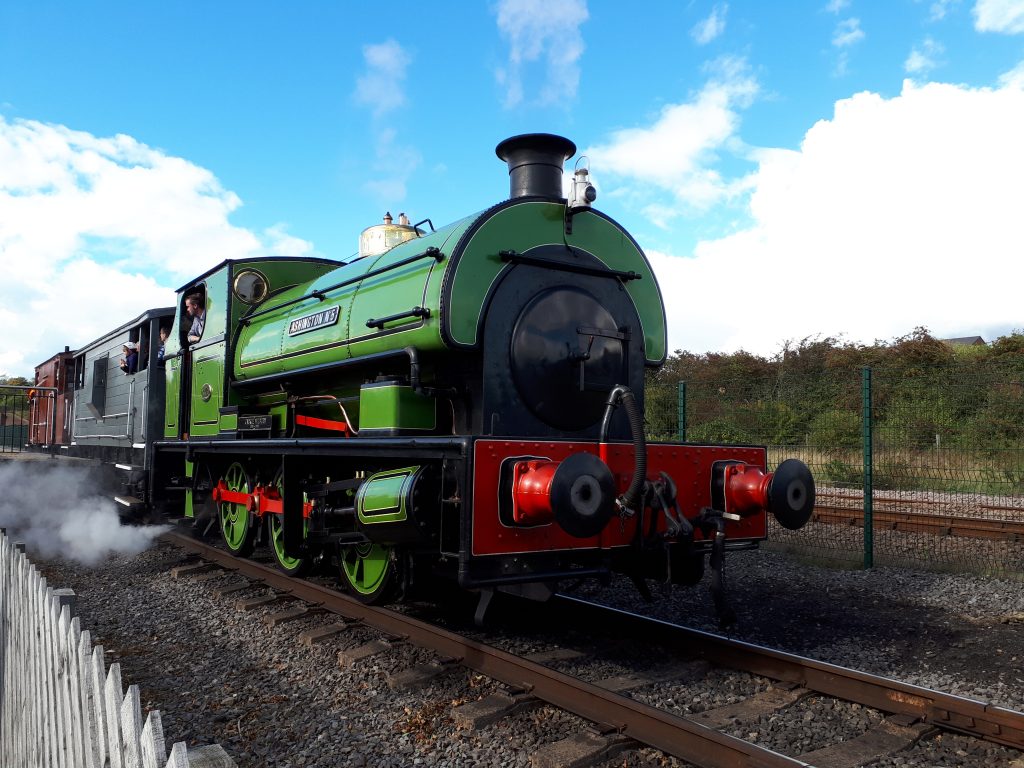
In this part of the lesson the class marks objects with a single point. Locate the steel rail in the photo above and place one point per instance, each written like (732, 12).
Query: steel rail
(924, 522)
(645, 724)
(943, 710)
(902, 501)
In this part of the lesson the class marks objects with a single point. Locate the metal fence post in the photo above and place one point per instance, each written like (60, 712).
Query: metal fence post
(869, 529)
(681, 403)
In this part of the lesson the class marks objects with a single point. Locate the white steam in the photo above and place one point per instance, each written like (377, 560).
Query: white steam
(58, 512)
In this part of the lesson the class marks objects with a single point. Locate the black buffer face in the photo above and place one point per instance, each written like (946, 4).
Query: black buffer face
(791, 494)
(583, 495)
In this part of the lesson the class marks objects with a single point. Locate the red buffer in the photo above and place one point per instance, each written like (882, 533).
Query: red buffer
(578, 493)
(788, 492)
(531, 497)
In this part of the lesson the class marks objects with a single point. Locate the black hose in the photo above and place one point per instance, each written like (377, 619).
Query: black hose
(631, 498)
(636, 424)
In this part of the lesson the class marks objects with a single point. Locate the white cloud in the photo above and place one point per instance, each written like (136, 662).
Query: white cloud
(545, 35)
(835, 6)
(393, 164)
(95, 230)
(677, 152)
(895, 213)
(1006, 16)
(708, 29)
(939, 9)
(381, 87)
(280, 243)
(1014, 78)
(923, 58)
(847, 33)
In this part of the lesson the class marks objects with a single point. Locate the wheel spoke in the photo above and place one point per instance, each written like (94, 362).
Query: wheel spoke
(236, 526)
(369, 571)
(275, 523)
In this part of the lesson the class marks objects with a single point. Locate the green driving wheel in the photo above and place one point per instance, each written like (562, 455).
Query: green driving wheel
(236, 524)
(370, 571)
(293, 566)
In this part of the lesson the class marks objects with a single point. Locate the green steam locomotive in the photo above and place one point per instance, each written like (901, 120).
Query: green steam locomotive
(460, 403)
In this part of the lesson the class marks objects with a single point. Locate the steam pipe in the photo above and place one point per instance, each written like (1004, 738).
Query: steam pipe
(414, 378)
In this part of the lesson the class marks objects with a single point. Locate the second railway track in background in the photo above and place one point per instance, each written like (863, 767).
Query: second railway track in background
(621, 722)
(909, 515)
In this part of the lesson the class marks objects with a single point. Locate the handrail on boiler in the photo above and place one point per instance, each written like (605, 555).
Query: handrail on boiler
(320, 294)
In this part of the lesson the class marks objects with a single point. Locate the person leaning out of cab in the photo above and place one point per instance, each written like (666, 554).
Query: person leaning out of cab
(194, 306)
(130, 358)
(164, 333)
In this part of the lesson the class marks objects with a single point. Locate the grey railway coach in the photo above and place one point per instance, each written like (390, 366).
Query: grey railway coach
(118, 415)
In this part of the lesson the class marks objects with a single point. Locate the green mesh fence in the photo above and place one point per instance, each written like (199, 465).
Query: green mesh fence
(945, 461)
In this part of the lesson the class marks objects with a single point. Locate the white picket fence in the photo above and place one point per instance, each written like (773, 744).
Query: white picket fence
(59, 705)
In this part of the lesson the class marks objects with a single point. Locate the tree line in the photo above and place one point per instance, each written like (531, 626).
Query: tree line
(925, 393)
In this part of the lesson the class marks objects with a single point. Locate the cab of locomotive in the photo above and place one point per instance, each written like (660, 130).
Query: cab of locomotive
(199, 369)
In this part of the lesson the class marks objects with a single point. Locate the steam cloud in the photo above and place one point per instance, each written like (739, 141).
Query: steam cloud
(59, 512)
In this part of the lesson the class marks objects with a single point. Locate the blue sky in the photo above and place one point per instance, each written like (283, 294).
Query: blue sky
(839, 167)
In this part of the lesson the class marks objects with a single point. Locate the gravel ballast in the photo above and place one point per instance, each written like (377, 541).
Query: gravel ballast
(220, 675)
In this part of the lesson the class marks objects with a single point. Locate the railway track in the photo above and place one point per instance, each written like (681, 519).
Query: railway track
(905, 501)
(996, 523)
(923, 522)
(620, 719)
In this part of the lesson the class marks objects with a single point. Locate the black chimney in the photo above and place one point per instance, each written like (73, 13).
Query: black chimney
(535, 163)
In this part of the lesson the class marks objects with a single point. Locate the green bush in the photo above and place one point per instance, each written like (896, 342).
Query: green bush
(773, 422)
(894, 474)
(944, 417)
(836, 429)
(719, 431)
(1000, 424)
(838, 472)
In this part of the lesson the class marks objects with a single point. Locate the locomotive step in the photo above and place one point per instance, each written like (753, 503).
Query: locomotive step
(130, 502)
(130, 473)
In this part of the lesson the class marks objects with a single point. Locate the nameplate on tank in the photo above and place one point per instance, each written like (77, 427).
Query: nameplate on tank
(254, 423)
(312, 322)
